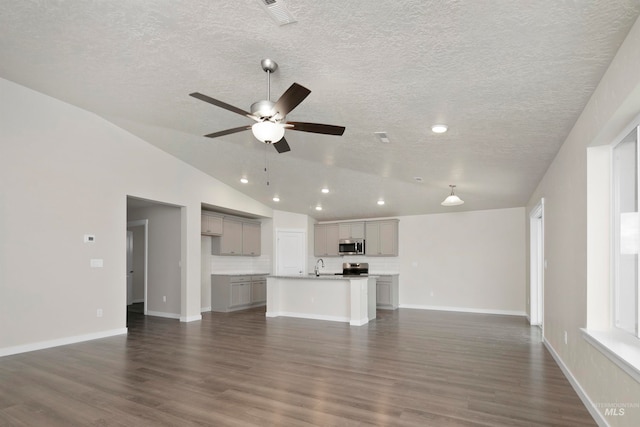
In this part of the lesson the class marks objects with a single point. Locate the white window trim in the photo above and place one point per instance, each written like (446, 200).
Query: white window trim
(619, 346)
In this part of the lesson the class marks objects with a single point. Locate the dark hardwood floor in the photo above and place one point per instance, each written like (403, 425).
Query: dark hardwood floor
(406, 368)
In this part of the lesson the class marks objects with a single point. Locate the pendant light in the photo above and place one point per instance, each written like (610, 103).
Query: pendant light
(452, 199)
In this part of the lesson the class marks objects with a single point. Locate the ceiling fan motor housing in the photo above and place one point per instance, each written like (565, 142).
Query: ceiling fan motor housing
(264, 110)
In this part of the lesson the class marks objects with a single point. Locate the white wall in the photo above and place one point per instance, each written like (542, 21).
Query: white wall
(64, 173)
(613, 105)
(469, 261)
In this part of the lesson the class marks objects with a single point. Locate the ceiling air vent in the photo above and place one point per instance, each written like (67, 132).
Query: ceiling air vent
(383, 137)
(277, 9)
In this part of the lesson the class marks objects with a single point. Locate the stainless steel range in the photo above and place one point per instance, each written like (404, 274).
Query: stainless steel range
(355, 268)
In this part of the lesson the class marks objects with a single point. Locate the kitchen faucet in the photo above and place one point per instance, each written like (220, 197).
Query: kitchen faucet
(317, 269)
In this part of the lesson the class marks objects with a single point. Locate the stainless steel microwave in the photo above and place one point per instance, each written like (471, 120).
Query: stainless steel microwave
(351, 247)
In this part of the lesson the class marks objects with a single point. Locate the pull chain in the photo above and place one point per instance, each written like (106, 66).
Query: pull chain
(266, 169)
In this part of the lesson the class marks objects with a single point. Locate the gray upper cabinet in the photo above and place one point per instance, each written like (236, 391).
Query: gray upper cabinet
(326, 240)
(382, 238)
(250, 239)
(210, 225)
(351, 230)
(238, 237)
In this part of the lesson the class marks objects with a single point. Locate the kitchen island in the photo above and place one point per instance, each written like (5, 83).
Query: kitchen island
(326, 297)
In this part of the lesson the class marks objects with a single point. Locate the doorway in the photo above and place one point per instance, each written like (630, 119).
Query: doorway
(536, 265)
(162, 244)
(137, 265)
(291, 252)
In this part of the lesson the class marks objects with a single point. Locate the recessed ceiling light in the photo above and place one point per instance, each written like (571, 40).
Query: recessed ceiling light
(318, 208)
(325, 190)
(381, 202)
(439, 128)
(244, 180)
(276, 199)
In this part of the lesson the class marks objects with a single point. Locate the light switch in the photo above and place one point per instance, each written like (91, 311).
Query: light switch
(97, 263)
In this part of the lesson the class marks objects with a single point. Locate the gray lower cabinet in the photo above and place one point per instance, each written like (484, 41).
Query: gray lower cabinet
(230, 293)
(259, 290)
(387, 295)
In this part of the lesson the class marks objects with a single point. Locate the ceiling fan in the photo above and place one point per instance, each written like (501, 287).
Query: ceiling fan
(270, 116)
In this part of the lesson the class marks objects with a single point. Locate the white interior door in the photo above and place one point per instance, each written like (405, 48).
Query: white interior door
(291, 252)
(536, 266)
(129, 267)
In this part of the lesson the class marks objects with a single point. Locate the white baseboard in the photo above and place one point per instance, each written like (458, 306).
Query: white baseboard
(191, 318)
(205, 309)
(464, 309)
(137, 300)
(7, 351)
(307, 316)
(162, 314)
(597, 416)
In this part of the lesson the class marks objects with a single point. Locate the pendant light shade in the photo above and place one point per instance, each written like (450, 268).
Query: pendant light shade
(452, 199)
(268, 132)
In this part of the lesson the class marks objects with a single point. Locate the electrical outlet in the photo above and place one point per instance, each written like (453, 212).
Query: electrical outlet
(431, 293)
(565, 337)
(99, 312)
(164, 298)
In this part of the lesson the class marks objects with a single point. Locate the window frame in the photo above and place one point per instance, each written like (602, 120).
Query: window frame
(619, 346)
(616, 234)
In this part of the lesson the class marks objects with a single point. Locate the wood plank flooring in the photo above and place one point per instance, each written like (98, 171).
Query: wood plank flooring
(406, 368)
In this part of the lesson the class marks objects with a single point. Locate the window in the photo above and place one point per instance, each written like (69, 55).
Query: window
(626, 228)
(612, 250)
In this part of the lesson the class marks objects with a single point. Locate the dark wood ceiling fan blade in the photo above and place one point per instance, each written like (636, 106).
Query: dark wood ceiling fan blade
(282, 146)
(317, 128)
(221, 104)
(227, 132)
(290, 99)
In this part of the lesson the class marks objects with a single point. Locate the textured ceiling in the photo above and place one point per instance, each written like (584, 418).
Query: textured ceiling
(508, 77)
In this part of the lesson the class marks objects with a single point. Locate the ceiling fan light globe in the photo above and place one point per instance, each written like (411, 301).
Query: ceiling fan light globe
(268, 132)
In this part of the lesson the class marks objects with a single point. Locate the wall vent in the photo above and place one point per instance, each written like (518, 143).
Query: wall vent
(277, 9)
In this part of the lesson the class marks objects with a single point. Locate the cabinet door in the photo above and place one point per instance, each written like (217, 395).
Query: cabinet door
(332, 240)
(383, 293)
(357, 230)
(320, 240)
(344, 231)
(388, 234)
(259, 291)
(240, 294)
(351, 230)
(250, 239)
(211, 225)
(372, 242)
(326, 238)
(231, 242)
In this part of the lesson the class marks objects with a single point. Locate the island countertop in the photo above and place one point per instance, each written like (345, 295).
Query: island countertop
(326, 276)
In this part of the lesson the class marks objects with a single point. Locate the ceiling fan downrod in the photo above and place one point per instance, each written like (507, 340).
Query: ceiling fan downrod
(268, 66)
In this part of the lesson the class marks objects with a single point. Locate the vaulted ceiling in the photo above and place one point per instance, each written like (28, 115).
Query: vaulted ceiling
(509, 78)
